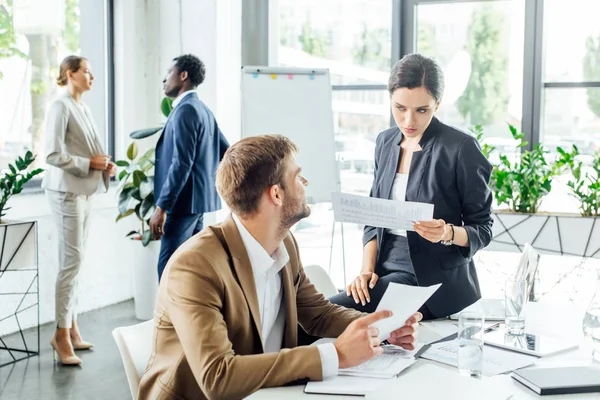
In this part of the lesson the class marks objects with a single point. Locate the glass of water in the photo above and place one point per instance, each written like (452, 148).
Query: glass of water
(515, 297)
(470, 343)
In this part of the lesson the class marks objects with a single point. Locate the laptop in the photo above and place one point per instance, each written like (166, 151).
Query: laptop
(493, 309)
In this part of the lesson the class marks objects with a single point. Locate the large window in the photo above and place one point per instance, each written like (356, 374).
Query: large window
(534, 64)
(35, 35)
(571, 75)
(350, 37)
(353, 39)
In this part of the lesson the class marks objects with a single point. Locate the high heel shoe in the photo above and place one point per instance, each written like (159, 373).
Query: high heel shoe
(82, 345)
(69, 360)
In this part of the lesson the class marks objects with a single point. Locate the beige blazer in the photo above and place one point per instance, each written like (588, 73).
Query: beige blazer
(71, 137)
(207, 340)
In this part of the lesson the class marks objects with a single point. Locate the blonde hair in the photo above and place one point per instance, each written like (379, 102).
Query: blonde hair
(249, 167)
(70, 63)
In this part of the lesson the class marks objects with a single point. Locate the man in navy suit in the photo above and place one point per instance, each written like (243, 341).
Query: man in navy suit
(187, 154)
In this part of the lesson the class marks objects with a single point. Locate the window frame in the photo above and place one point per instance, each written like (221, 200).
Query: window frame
(34, 185)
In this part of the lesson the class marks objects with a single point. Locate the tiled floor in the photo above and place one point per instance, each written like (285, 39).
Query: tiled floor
(101, 375)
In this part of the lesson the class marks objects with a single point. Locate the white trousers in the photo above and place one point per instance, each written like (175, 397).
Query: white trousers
(72, 216)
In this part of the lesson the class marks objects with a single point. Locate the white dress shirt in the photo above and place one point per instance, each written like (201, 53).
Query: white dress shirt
(267, 277)
(181, 96)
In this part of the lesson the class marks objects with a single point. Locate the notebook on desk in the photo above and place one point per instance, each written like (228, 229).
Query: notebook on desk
(560, 380)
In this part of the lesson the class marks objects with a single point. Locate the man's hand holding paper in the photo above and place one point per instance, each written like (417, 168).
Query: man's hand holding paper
(402, 300)
(361, 340)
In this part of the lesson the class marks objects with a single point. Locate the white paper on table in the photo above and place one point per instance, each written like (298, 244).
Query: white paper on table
(403, 301)
(430, 381)
(495, 361)
(381, 213)
(345, 385)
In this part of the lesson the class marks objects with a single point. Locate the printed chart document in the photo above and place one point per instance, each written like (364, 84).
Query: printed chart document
(495, 361)
(403, 301)
(391, 214)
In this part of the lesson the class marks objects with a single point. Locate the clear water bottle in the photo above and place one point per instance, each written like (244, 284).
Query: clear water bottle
(591, 320)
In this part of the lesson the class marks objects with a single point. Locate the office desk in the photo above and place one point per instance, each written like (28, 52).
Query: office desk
(551, 319)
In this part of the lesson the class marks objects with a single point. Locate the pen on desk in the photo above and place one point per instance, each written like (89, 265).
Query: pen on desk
(492, 327)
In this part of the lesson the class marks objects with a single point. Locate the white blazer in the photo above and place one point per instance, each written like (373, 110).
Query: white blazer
(71, 141)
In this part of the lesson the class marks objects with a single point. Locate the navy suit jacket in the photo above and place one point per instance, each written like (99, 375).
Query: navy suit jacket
(187, 155)
(451, 173)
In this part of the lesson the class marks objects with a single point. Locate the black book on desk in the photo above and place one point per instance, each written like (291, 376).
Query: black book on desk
(560, 380)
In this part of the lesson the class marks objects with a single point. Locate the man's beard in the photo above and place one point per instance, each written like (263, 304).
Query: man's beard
(294, 212)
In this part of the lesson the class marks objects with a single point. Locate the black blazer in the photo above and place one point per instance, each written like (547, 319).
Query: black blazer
(450, 172)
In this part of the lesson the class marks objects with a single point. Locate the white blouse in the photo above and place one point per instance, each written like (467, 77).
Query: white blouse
(399, 194)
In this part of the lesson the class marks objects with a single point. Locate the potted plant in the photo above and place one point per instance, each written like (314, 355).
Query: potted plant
(519, 188)
(18, 254)
(19, 237)
(136, 198)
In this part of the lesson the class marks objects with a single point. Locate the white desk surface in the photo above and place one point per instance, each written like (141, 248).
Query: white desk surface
(563, 320)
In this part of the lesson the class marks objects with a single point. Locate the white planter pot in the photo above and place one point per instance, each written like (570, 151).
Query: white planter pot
(18, 245)
(562, 234)
(19, 291)
(145, 278)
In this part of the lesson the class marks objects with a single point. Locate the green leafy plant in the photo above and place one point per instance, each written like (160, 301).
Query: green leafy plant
(522, 185)
(12, 182)
(136, 188)
(136, 191)
(585, 187)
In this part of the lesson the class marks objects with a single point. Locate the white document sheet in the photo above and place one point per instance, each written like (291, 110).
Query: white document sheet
(391, 214)
(495, 361)
(403, 301)
(387, 365)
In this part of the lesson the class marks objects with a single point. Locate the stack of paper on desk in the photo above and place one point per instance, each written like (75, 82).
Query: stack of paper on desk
(388, 365)
(366, 377)
(362, 379)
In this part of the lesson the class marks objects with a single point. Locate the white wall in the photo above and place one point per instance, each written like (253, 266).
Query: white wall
(148, 35)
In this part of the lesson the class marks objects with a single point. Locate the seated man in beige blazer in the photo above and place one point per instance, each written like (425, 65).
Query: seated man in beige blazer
(231, 297)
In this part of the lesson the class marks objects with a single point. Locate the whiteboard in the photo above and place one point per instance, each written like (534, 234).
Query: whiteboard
(296, 103)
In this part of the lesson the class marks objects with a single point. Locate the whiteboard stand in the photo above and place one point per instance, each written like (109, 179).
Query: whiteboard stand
(343, 251)
(339, 184)
(296, 103)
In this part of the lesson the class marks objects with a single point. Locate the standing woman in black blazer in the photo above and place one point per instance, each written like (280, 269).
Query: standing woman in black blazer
(422, 159)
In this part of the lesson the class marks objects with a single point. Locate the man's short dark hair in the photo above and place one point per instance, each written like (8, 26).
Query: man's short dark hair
(193, 66)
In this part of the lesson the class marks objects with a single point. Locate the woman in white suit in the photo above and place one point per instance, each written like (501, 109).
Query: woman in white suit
(77, 169)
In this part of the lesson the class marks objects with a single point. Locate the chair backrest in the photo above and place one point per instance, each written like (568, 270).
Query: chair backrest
(135, 345)
(320, 278)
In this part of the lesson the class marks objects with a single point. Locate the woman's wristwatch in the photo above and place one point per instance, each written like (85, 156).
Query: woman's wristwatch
(451, 241)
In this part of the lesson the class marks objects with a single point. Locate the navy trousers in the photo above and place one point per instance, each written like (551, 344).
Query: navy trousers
(177, 229)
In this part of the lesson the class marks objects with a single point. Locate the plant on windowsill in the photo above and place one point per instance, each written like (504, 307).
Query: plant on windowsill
(522, 185)
(11, 183)
(585, 187)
